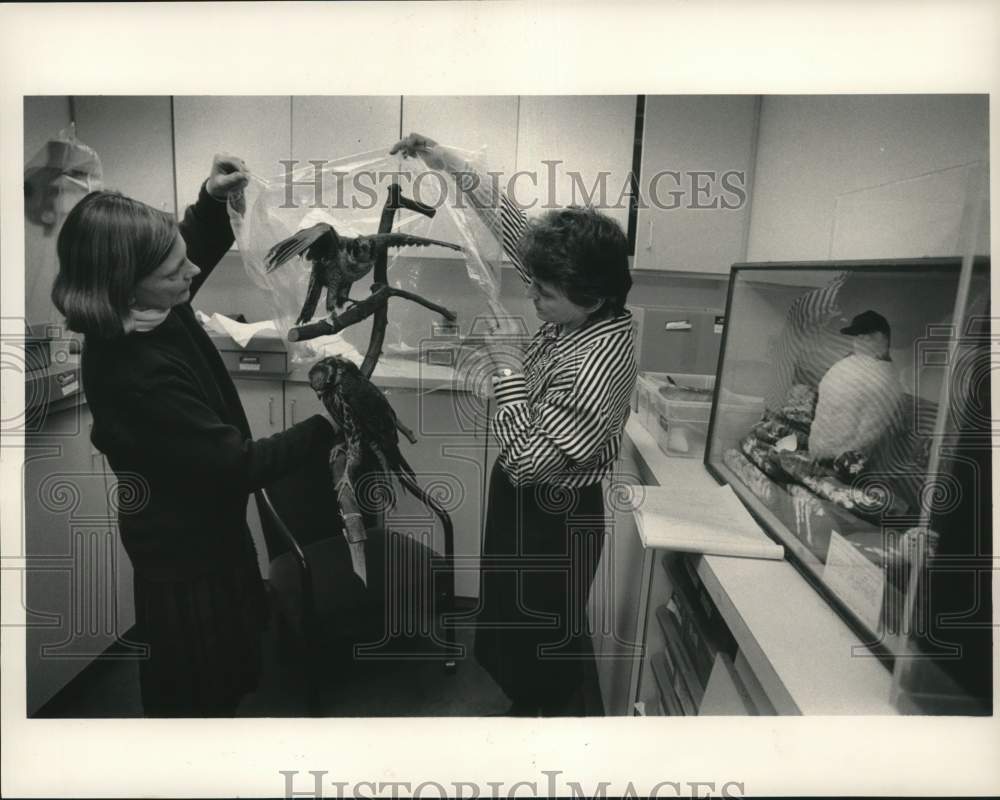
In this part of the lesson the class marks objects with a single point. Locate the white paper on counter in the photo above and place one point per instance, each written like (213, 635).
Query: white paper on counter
(714, 522)
(240, 332)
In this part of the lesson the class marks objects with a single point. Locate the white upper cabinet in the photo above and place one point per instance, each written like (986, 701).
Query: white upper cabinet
(575, 150)
(330, 128)
(485, 125)
(695, 182)
(257, 129)
(468, 123)
(134, 139)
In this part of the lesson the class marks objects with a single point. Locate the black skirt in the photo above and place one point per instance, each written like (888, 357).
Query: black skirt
(204, 639)
(541, 548)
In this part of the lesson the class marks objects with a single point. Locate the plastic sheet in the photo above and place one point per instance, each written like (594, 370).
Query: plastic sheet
(56, 178)
(349, 194)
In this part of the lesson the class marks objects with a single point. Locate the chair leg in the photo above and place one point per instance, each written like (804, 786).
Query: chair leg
(446, 599)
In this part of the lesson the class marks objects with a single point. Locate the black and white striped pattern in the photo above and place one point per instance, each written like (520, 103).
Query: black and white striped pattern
(806, 348)
(562, 421)
(504, 220)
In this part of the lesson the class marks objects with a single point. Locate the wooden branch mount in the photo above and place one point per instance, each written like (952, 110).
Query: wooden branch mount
(376, 305)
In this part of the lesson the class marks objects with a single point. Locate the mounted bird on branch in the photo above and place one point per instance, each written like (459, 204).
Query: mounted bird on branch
(368, 447)
(338, 261)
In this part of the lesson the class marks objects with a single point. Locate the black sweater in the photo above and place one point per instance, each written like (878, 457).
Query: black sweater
(168, 417)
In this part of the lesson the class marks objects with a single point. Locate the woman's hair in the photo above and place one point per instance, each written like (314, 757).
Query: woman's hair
(584, 253)
(107, 244)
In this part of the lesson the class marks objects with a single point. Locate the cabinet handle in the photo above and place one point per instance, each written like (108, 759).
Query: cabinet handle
(293, 412)
(270, 411)
(649, 240)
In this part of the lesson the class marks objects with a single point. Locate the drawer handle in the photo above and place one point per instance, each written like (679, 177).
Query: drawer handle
(270, 411)
(293, 412)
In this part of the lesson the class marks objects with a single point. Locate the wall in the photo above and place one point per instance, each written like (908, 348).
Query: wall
(813, 150)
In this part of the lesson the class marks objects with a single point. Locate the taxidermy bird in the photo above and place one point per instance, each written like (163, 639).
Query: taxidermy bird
(367, 419)
(369, 425)
(338, 261)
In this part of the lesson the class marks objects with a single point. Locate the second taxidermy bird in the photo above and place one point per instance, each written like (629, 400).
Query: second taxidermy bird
(366, 418)
(338, 261)
(369, 426)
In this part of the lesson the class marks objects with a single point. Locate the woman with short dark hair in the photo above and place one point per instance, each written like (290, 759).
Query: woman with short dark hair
(168, 417)
(561, 413)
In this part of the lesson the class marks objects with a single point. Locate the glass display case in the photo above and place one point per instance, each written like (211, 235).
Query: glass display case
(862, 463)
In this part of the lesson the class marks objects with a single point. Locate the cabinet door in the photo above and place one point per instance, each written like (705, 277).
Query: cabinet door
(468, 123)
(579, 148)
(300, 403)
(329, 128)
(70, 547)
(134, 138)
(695, 182)
(257, 129)
(615, 596)
(263, 402)
(125, 591)
(448, 459)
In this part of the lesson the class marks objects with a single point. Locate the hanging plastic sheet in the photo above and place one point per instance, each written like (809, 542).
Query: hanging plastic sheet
(349, 194)
(56, 178)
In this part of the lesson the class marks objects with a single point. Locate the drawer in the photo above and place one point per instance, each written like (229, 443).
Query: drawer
(256, 362)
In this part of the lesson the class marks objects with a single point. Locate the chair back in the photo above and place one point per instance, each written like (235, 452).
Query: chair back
(305, 503)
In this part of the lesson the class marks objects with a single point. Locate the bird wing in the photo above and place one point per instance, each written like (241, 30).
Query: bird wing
(316, 242)
(408, 240)
(372, 411)
(312, 297)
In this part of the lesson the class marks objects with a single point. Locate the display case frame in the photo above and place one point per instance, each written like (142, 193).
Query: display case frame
(886, 646)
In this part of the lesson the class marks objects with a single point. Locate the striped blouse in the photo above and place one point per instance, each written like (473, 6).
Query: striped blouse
(562, 421)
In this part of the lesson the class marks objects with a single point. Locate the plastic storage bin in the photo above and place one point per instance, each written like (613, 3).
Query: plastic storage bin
(680, 427)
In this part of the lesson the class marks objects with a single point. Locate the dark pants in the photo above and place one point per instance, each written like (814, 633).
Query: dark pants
(541, 548)
(204, 638)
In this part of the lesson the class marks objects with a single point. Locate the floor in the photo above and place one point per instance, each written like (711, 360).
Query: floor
(369, 688)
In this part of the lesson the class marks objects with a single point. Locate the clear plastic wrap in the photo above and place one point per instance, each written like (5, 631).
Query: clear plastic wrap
(56, 178)
(349, 194)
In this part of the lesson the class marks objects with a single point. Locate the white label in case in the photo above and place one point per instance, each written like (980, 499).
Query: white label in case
(249, 364)
(69, 388)
(678, 325)
(719, 323)
(855, 579)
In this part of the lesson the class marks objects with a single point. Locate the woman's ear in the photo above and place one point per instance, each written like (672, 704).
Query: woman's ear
(593, 309)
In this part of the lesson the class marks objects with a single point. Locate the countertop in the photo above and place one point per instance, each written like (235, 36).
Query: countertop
(806, 658)
(397, 373)
(57, 387)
